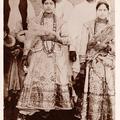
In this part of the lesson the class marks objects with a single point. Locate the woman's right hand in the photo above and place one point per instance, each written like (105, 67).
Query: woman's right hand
(25, 60)
(72, 56)
(100, 46)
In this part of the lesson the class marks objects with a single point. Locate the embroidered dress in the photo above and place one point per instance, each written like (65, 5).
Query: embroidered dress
(98, 97)
(47, 82)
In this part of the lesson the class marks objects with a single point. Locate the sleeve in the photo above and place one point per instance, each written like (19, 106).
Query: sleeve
(83, 43)
(34, 23)
(66, 40)
(30, 16)
(30, 10)
(28, 42)
(74, 25)
(76, 65)
(67, 11)
(18, 27)
(31, 40)
(63, 32)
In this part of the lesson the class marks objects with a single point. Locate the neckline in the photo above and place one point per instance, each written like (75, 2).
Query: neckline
(99, 20)
(48, 15)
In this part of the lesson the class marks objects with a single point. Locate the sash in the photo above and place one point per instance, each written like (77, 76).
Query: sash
(103, 37)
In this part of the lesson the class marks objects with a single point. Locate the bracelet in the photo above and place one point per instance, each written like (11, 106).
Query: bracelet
(98, 42)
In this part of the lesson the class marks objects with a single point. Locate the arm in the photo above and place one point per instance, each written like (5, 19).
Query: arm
(62, 34)
(83, 43)
(30, 11)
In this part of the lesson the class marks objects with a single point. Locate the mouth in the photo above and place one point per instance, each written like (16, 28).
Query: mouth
(48, 9)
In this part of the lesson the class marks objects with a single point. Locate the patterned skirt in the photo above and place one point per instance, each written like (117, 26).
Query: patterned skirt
(97, 102)
(41, 91)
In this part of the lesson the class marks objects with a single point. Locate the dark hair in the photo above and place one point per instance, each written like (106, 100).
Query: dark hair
(43, 1)
(89, 0)
(100, 3)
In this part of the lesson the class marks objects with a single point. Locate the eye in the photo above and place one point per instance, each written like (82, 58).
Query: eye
(100, 9)
(46, 3)
(105, 9)
(51, 3)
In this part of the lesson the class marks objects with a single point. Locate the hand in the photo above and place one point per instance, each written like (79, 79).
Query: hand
(112, 51)
(15, 52)
(91, 44)
(49, 37)
(108, 49)
(82, 68)
(9, 41)
(46, 31)
(74, 97)
(100, 46)
(72, 56)
(25, 60)
(21, 36)
(108, 61)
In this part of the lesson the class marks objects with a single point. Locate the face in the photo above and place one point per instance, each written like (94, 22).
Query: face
(102, 11)
(49, 6)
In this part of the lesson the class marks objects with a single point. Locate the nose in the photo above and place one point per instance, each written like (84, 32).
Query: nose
(102, 12)
(48, 5)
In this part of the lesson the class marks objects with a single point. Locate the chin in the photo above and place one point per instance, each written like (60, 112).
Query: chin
(102, 17)
(49, 11)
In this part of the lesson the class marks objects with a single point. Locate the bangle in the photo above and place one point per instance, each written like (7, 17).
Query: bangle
(98, 42)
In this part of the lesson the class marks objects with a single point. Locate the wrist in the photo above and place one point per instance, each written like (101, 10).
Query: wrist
(82, 58)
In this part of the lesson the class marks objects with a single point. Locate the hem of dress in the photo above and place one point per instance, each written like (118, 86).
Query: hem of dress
(38, 108)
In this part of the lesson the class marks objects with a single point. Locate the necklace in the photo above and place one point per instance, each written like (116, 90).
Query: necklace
(44, 41)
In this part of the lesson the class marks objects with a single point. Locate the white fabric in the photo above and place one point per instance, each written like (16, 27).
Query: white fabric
(63, 9)
(14, 16)
(14, 22)
(81, 14)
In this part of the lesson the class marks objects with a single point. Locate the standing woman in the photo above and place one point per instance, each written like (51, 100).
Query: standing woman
(97, 50)
(47, 82)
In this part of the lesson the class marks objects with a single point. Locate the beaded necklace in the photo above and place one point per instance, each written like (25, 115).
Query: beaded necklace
(45, 42)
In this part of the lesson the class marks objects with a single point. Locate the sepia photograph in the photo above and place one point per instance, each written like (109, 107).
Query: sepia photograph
(59, 60)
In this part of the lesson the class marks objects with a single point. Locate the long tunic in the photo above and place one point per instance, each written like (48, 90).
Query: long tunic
(98, 98)
(47, 82)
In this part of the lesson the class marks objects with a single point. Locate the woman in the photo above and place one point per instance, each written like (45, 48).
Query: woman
(47, 82)
(97, 50)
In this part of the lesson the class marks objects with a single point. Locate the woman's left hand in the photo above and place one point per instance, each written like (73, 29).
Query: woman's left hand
(25, 60)
(100, 46)
(52, 34)
(108, 61)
